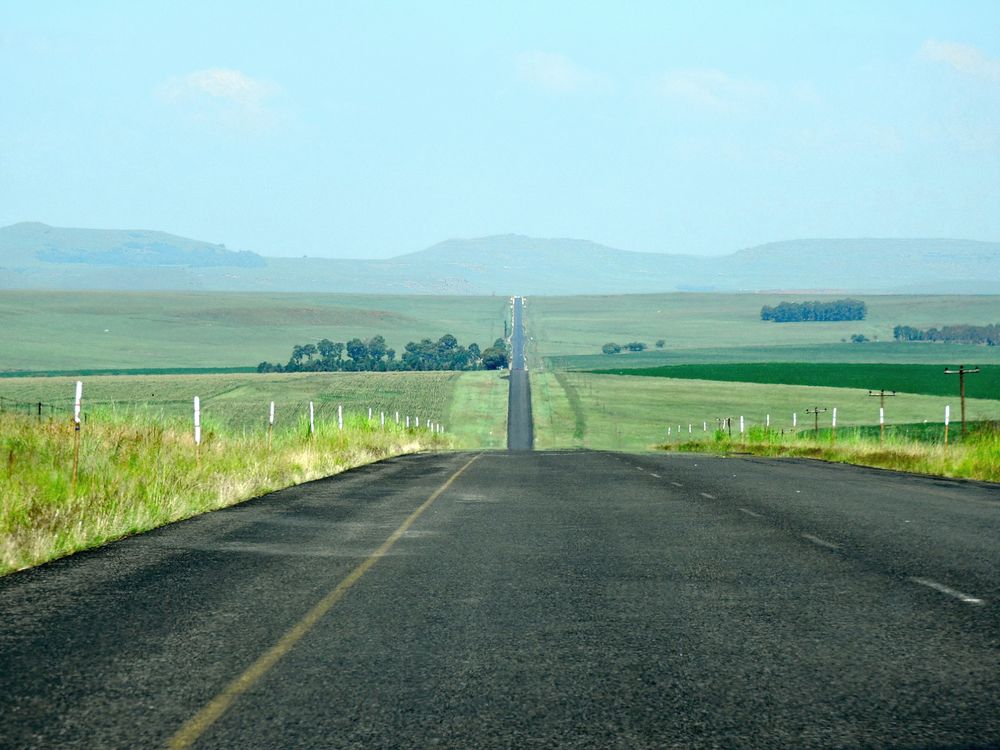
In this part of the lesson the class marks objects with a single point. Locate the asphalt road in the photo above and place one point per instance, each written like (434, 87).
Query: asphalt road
(536, 599)
(520, 433)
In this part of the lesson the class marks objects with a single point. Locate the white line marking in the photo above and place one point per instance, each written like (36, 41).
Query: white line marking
(705, 494)
(639, 468)
(947, 590)
(677, 484)
(820, 542)
(749, 512)
(654, 475)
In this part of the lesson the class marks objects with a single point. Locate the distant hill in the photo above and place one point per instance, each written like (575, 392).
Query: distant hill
(37, 256)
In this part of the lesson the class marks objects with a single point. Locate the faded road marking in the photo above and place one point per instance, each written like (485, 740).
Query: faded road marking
(820, 542)
(213, 711)
(948, 590)
(706, 495)
(749, 512)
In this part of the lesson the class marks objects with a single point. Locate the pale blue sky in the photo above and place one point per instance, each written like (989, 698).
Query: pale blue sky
(368, 129)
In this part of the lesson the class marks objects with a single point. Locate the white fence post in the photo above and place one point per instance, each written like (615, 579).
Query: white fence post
(197, 421)
(77, 402)
(741, 424)
(312, 419)
(340, 417)
(383, 419)
(397, 417)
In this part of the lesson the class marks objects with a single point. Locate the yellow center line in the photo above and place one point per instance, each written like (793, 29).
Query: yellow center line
(214, 709)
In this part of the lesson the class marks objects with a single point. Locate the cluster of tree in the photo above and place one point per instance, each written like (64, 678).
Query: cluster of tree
(859, 338)
(373, 355)
(961, 334)
(794, 312)
(632, 346)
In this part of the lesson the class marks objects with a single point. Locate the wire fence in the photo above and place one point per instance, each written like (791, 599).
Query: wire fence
(232, 414)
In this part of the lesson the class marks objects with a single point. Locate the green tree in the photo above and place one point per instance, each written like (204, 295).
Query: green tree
(494, 358)
(357, 351)
(611, 348)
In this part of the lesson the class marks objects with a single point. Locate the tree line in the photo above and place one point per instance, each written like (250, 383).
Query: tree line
(374, 355)
(959, 334)
(632, 346)
(794, 312)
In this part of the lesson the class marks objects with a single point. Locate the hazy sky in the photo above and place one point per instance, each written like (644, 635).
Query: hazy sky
(371, 128)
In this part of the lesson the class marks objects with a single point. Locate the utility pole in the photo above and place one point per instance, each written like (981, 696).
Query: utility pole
(962, 372)
(882, 396)
(816, 411)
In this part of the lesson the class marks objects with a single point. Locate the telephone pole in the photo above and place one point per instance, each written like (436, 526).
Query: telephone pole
(882, 396)
(816, 411)
(962, 372)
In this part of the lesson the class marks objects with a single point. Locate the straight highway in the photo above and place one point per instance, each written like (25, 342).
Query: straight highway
(528, 599)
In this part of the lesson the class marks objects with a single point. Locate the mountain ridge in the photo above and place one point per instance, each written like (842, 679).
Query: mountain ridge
(38, 256)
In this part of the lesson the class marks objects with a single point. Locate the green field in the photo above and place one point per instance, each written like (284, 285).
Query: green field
(243, 401)
(905, 378)
(632, 413)
(72, 331)
(568, 332)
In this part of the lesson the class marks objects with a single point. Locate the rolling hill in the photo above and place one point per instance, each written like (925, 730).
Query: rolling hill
(37, 256)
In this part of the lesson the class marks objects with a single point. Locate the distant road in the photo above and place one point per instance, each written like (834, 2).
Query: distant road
(528, 599)
(520, 432)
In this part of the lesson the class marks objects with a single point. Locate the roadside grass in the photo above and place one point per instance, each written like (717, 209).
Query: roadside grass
(137, 472)
(905, 378)
(639, 414)
(479, 411)
(73, 331)
(976, 456)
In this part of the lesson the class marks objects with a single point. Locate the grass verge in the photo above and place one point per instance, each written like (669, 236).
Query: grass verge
(136, 473)
(976, 456)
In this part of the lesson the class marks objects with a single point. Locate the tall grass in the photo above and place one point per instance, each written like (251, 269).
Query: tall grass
(976, 456)
(136, 473)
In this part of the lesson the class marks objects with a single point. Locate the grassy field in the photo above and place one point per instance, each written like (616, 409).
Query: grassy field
(136, 473)
(614, 412)
(905, 378)
(72, 331)
(914, 448)
(478, 414)
(701, 328)
(242, 401)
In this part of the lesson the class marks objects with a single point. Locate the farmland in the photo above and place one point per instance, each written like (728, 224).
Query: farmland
(634, 413)
(568, 332)
(905, 378)
(72, 331)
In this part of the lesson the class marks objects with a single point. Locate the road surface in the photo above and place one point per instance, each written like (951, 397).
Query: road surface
(520, 435)
(528, 599)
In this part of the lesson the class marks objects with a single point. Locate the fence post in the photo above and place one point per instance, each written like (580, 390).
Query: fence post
(947, 419)
(197, 429)
(312, 420)
(833, 430)
(77, 401)
(340, 417)
(397, 417)
(382, 418)
(270, 426)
